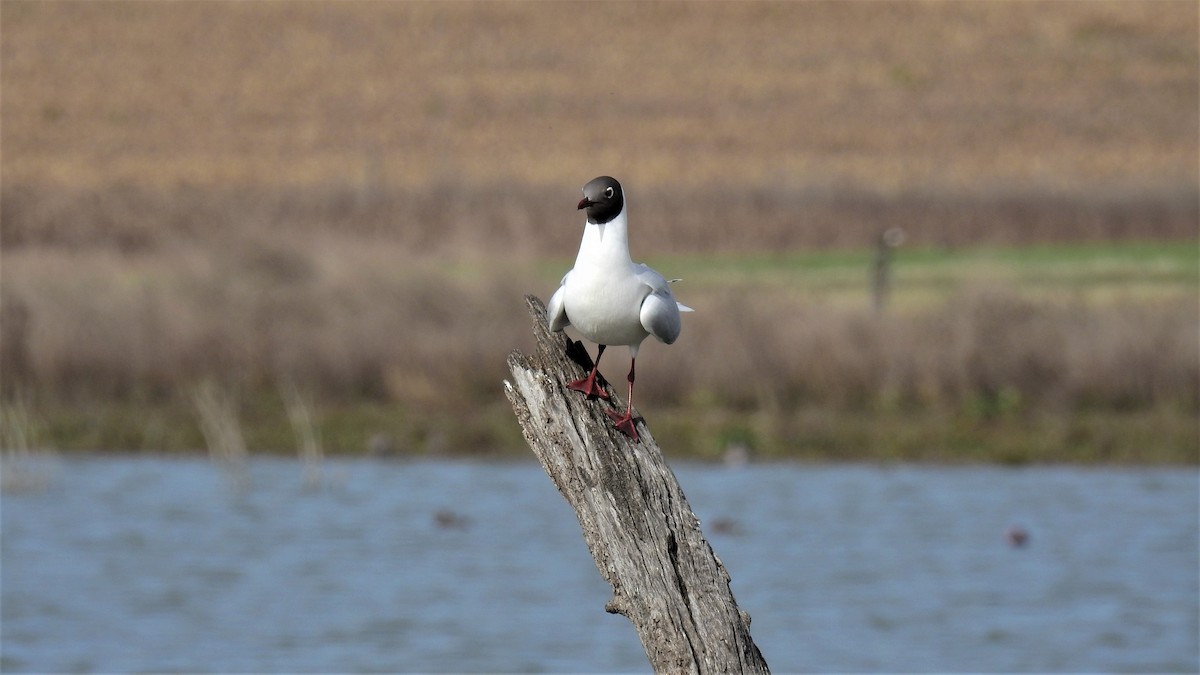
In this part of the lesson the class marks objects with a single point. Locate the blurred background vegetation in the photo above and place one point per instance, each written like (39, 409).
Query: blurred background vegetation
(342, 204)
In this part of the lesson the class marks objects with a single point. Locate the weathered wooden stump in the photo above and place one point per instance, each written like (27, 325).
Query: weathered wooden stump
(638, 526)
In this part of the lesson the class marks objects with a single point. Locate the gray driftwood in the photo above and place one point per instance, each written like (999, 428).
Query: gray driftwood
(638, 526)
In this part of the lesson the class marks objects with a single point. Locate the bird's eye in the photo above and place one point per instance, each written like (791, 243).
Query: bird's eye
(608, 192)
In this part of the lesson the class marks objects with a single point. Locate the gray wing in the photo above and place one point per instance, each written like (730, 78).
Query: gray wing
(660, 311)
(556, 312)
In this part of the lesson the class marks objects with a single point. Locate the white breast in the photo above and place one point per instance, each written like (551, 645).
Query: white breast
(604, 304)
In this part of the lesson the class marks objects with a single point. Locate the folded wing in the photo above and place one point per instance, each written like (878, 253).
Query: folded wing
(556, 312)
(660, 311)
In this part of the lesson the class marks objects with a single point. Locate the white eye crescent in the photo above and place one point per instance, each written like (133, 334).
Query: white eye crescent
(608, 192)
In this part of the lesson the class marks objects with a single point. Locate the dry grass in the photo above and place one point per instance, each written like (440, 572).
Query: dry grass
(25, 464)
(352, 198)
(300, 406)
(988, 350)
(344, 318)
(519, 222)
(219, 422)
(676, 96)
(358, 323)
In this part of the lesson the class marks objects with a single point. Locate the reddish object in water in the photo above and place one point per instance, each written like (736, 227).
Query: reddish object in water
(1017, 536)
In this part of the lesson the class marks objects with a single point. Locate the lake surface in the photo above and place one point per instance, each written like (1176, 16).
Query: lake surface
(145, 564)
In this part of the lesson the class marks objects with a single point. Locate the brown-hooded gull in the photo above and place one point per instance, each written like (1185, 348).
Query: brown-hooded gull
(607, 297)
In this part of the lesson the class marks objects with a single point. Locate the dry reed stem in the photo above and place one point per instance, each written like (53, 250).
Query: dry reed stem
(16, 426)
(26, 467)
(222, 430)
(299, 411)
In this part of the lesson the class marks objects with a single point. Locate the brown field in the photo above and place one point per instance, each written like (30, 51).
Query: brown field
(670, 96)
(353, 197)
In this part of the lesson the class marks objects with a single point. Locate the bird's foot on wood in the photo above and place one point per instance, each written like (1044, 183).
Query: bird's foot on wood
(589, 387)
(624, 423)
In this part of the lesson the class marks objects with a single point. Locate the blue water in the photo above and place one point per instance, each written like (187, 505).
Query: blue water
(135, 564)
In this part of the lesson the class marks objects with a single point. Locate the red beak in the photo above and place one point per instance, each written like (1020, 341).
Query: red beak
(584, 203)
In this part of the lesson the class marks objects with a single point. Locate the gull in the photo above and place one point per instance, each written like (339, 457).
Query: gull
(610, 299)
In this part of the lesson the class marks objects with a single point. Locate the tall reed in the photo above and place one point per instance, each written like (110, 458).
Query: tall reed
(299, 407)
(25, 466)
(218, 417)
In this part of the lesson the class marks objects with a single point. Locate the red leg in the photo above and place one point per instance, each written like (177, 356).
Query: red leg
(588, 384)
(625, 422)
